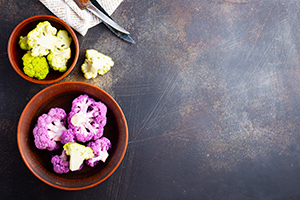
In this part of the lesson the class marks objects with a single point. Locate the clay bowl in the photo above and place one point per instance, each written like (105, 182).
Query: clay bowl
(39, 161)
(15, 53)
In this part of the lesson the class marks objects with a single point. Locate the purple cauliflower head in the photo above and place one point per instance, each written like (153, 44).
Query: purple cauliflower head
(100, 148)
(61, 163)
(87, 118)
(47, 132)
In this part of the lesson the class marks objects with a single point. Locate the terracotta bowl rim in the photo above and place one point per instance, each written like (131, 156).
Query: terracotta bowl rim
(21, 145)
(35, 18)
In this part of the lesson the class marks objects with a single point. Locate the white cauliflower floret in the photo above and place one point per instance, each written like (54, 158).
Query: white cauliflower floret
(95, 63)
(78, 154)
(42, 39)
(58, 59)
(63, 39)
(60, 55)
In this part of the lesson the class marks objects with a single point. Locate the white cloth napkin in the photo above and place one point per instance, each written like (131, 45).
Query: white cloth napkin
(80, 20)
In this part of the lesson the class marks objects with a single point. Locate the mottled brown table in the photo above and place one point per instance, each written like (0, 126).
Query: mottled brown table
(210, 92)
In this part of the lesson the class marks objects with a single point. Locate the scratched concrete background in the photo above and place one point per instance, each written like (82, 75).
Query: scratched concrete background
(210, 92)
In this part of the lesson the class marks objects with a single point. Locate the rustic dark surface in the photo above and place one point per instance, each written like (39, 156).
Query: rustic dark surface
(210, 92)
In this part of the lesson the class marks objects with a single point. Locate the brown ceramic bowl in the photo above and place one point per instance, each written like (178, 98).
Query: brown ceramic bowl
(39, 161)
(15, 53)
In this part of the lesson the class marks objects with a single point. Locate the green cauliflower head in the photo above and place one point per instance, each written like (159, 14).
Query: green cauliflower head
(42, 39)
(60, 55)
(35, 67)
(78, 154)
(95, 63)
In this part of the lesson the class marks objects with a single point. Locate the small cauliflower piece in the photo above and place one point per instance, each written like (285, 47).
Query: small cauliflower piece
(35, 67)
(63, 39)
(59, 56)
(23, 43)
(78, 154)
(95, 63)
(42, 39)
(67, 136)
(60, 163)
(100, 148)
(58, 59)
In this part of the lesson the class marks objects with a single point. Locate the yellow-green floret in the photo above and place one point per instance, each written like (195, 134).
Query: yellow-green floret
(23, 42)
(35, 67)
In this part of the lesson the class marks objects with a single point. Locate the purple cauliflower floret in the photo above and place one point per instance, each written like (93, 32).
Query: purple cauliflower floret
(100, 148)
(67, 136)
(47, 132)
(61, 163)
(87, 118)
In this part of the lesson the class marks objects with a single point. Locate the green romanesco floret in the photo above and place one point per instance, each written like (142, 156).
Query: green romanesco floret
(23, 42)
(42, 39)
(60, 55)
(95, 63)
(78, 154)
(35, 67)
